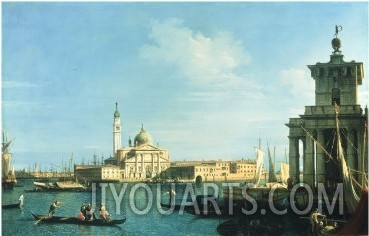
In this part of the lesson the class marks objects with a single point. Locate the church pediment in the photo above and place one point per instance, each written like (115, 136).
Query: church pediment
(147, 147)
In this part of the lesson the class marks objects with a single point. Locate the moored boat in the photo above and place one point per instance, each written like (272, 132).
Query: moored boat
(205, 205)
(75, 220)
(169, 206)
(59, 186)
(228, 228)
(8, 179)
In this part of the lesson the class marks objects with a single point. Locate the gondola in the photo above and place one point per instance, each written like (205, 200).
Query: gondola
(175, 207)
(205, 212)
(205, 206)
(14, 205)
(75, 220)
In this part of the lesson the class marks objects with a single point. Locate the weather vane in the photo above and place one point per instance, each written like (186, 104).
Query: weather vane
(338, 29)
(336, 42)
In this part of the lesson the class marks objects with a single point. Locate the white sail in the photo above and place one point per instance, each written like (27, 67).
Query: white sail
(6, 157)
(259, 165)
(285, 170)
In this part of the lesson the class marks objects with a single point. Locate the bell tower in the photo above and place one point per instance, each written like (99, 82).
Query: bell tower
(117, 135)
(336, 87)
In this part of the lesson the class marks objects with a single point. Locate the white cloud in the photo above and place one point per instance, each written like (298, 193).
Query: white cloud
(300, 83)
(194, 55)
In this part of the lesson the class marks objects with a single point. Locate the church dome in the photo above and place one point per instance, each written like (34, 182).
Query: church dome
(142, 138)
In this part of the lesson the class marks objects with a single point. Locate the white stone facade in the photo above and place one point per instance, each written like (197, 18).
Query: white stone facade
(141, 162)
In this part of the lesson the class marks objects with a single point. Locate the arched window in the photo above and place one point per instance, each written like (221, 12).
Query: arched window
(336, 96)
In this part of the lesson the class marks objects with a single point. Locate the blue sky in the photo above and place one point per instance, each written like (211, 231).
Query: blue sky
(207, 80)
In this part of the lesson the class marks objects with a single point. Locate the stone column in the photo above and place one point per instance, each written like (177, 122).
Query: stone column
(152, 165)
(294, 159)
(159, 167)
(309, 162)
(143, 171)
(320, 159)
(136, 165)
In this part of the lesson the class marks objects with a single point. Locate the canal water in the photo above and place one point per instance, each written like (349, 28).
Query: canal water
(134, 205)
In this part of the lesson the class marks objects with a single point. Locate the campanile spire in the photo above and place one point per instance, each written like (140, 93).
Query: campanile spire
(117, 135)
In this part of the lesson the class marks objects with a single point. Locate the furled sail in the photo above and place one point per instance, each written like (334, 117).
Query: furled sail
(285, 170)
(351, 198)
(272, 176)
(259, 165)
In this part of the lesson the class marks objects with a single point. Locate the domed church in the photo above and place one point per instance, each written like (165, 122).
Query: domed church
(141, 159)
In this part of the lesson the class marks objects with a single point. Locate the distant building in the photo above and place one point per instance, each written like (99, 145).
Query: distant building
(212, 171)
(142, 159)
(97, 173)
(110, 161)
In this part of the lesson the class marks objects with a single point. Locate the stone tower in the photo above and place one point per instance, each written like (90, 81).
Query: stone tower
(117, 135)
(336, 87)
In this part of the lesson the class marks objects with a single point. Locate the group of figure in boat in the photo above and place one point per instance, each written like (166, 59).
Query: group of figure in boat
(86, 213)
(86, 216)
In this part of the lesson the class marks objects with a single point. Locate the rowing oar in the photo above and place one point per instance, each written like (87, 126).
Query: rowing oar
(38, 221)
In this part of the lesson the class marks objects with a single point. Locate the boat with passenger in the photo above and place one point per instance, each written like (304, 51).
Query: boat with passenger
(76, 220)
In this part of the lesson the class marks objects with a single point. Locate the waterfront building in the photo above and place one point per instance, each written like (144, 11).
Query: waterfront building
(336, 87)
(209, 171)
(97, 173)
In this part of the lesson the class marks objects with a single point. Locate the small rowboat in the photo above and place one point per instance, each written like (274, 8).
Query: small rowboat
(14, 205)
(75, 220)
(7, 206)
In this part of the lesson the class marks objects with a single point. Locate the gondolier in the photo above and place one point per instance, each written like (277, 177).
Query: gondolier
(53, 208)
(172, 196)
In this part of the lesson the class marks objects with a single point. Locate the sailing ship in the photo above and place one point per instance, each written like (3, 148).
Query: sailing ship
(260, 193)
(355, 194)
(7, 176)
(351, 187)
